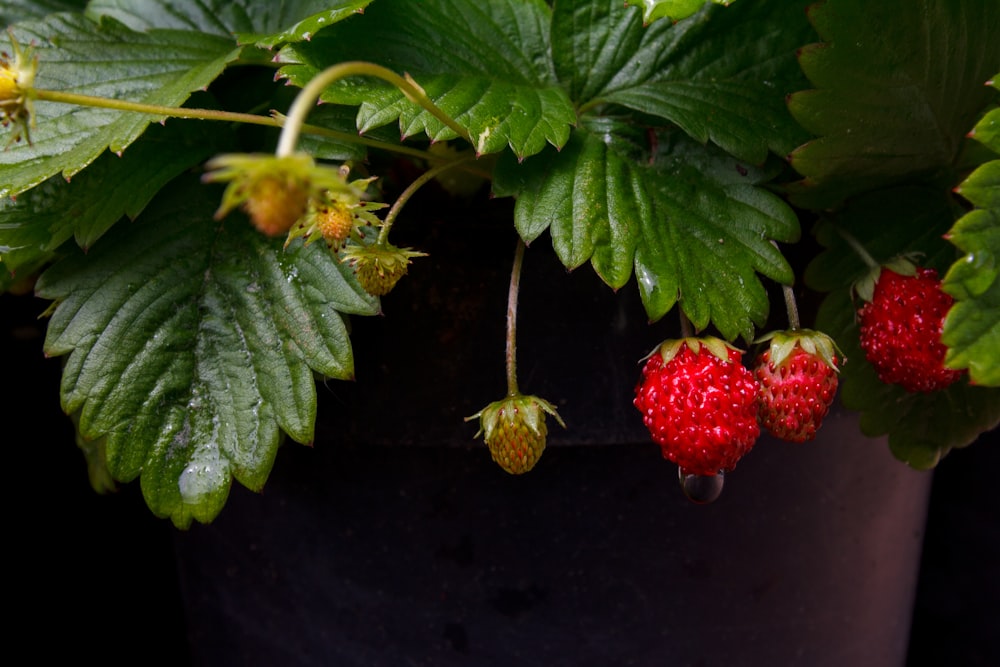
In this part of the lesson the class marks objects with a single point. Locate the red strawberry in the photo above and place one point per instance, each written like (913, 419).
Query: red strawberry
(699, 403)
(901, 324)
(798, 380)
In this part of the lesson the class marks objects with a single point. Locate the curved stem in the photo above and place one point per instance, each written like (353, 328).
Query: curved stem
(275, 120)
(791, 307)
(411, 189)
(308, 96)
(511, 351)
(857, 247)
(687, 331)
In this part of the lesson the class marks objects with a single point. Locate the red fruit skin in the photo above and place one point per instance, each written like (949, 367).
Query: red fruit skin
(901, 331)
(795, 396)
(700, 409)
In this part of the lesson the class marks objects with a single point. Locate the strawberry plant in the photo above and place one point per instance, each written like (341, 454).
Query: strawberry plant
(202, 232)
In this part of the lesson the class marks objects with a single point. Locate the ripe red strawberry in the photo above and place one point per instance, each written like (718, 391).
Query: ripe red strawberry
(699, 403)
(514, 430)
(798, 380)
(901, 324)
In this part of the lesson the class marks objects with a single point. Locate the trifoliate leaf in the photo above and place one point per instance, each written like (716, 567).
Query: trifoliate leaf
(693, 223)
(34, 225)
(192, 344)
(487, 65)
(922, 428)
(108, 60)
(673, 9)
(972, 328)
(897, 85)
(264, 24)
(721, 76)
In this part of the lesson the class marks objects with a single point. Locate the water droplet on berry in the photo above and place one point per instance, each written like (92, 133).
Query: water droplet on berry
(701, 489)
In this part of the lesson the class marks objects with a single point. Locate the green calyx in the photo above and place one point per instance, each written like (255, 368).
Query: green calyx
(904, 265)
(670, 348)
(379, 266)
(514, 430)
(816, 343)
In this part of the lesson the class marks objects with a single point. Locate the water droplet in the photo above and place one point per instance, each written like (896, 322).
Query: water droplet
(701, 489)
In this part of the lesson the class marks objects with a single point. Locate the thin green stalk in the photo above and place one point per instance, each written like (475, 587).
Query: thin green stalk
(511, 351)
(276, 120)
(63, 97)
(791, 307)
(687, 330)
(308, 96)
(857, 247)
(411, 189)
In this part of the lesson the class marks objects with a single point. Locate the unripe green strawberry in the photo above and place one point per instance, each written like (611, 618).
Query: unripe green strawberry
(699, 403)
(275, 205)
(798, 381)
(379, 267)
(514, 430)
(900, 329)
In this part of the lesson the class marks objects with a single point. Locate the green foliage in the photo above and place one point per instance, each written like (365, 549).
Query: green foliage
(106, 59)
(495, 75)
(646, 147)
(672, 9)
(262, 24)
(890, 110)
(191, 344)
(972, 328)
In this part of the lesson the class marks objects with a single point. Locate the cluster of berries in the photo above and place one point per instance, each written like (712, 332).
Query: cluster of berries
(298, 198)
(705, 408)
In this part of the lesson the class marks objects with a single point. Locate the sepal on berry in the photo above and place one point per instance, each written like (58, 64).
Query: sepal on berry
(336, 217)
(798, 380)
(904, 265)
(17, 78)
(816, 343)
(669, 348)
(379, 266)
(514, 430)
(276, 191)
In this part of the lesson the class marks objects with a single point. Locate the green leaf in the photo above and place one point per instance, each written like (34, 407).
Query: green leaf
(887, 223)
(15, 11)
(34, 226)
(192, 344)
(972, 328)
(673, 9)
(922, 428)
(160, 67)
(897, 85)
(487, 65)
(694, 223)
(264, 24)
(722, 76)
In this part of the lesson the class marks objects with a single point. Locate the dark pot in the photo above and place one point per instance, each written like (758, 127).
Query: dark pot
(395, 540)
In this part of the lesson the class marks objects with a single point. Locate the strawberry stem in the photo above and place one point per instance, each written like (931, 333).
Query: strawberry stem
(276, 120)
(687, 330)
(857, 247)
(308, 96)
(511, 352)
(791, 307)
(412, 188)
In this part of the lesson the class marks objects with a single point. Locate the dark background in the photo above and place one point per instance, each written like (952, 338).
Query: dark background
(96, 577)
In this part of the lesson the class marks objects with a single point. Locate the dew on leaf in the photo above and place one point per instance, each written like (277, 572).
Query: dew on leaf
(701, 489)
